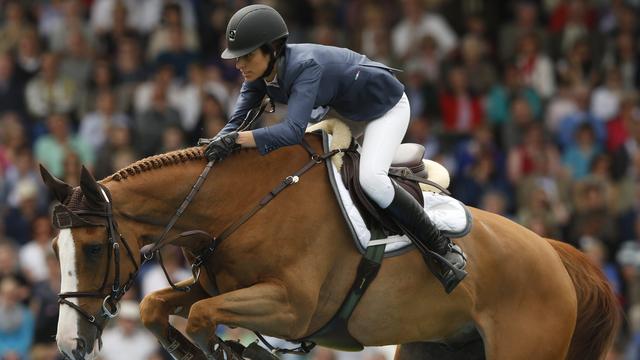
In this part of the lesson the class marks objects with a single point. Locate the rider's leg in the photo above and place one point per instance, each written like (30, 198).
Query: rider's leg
(381, 139)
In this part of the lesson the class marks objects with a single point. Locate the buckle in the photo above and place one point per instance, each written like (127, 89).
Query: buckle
(204, 141)
(109, 313)
(291, 180)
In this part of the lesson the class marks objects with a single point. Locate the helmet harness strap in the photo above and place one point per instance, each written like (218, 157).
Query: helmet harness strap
(273, 57)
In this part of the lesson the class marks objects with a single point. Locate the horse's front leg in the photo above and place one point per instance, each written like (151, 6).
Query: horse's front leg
(154, 313)
(264, 307)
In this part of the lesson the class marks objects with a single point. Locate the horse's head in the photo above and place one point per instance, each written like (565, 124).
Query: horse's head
(96, 262)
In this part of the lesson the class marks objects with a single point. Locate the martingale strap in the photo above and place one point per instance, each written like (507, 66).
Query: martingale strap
(288, 181)
(216, 241)
(266, 105)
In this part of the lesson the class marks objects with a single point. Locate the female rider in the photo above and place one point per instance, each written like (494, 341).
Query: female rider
(305, 76)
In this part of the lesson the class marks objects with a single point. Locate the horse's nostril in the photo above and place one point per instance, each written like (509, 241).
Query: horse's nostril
(78, 354)
(81, 349)
(82, 344)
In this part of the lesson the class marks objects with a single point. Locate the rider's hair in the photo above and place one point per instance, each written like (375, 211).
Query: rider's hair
(276, 47)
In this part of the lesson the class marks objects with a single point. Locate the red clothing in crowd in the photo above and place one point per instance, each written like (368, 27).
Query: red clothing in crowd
(460, 113)
(559, 18)
(617, 133)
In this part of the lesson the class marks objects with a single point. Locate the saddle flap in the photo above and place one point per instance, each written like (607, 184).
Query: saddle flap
(370, 211)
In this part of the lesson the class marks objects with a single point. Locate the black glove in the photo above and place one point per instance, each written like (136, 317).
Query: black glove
(220, 147)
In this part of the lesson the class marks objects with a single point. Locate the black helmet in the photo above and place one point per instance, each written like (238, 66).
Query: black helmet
(251, 27)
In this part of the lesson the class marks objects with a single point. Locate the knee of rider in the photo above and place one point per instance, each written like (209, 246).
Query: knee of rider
(373, 181)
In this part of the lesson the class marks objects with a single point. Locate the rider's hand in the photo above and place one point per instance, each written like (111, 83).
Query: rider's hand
(221, 146)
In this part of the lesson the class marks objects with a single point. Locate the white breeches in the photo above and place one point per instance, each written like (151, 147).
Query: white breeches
(382, 137)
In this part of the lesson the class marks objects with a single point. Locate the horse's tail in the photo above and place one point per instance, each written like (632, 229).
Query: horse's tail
(598, 310)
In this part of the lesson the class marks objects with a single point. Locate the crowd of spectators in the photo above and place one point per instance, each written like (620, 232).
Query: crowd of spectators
(532, 105)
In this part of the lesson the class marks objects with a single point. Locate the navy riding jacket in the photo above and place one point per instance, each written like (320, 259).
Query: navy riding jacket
(310, 75)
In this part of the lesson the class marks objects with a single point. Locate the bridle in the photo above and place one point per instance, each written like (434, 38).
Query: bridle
(65, 218)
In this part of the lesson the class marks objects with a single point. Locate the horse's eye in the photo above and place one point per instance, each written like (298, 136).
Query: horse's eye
(93, 250)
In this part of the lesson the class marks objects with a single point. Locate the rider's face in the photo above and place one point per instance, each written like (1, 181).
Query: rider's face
(252, 65)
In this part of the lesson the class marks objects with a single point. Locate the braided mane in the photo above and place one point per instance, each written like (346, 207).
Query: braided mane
(158, 161)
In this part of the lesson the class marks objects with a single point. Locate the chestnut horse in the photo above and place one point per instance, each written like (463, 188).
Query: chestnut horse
(286, 271)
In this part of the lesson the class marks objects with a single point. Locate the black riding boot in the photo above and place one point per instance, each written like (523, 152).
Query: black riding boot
(412, 218)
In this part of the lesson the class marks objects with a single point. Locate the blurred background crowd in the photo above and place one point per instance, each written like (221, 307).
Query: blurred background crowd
(532, 106)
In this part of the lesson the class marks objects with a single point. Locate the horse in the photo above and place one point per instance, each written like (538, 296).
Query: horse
(286, 270)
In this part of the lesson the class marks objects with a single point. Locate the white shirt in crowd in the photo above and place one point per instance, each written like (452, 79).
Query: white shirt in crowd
(94, 127)
(407, 36)
(541, 77)
(33, 260)
(137, 346)
(143, 15)
(605, 103)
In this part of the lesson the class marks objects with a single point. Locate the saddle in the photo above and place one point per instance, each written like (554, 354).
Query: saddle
(407, 170)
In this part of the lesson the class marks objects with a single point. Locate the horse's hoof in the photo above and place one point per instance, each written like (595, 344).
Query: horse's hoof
(221, 350)
(235, 346)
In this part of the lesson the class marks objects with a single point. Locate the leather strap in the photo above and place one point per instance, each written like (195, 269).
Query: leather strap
(335, 332)
(215, 241)
(194, 190)
(405, 173)
(288, 181)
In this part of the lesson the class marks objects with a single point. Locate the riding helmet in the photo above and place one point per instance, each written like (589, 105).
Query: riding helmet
(251, 27)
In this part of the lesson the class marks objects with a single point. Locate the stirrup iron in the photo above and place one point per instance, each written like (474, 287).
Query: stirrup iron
(449, 275)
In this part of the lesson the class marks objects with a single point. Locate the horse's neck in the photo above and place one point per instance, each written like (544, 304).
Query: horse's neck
(231, 189)
(145, 202)
(300, 223)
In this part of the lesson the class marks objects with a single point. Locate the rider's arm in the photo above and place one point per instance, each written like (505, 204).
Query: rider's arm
(301, 102)
(250, 96)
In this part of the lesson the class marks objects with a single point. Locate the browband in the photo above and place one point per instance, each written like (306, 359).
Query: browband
(65, 218)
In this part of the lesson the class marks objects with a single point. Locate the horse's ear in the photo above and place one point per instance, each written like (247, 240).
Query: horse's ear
(60, 189)
(90, 188)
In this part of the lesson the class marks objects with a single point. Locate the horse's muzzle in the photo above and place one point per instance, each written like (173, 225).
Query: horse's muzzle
(78, 351)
